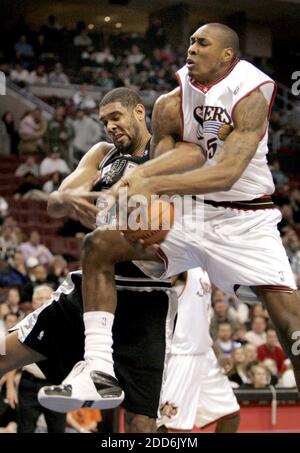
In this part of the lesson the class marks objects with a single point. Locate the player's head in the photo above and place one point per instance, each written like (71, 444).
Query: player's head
(123, 115)
(213, 47)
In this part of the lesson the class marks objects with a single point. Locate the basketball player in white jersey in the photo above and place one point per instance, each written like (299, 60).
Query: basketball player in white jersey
(222, 107)
(195, 391)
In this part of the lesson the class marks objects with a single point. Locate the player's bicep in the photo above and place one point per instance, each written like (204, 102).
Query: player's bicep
(250, 120)
(165, 125)
(251, 115)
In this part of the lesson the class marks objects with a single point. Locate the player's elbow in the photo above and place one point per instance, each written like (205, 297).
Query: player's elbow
(230, 177)
(54, 205)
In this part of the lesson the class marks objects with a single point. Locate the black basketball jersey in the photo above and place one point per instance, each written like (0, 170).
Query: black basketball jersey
(115, 165)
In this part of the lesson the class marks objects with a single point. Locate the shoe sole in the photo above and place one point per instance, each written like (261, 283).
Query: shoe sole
(66, 404)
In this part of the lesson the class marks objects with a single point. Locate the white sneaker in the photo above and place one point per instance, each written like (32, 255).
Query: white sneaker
(83, 387)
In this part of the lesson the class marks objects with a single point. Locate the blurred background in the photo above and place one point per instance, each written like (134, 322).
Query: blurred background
(59, 57)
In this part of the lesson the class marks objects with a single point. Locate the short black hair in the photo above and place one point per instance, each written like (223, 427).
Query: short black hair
(126, 96)
(230, 37)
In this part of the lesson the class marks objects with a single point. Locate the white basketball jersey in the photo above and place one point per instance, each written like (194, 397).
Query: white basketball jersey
(191, 334)
(207, 112)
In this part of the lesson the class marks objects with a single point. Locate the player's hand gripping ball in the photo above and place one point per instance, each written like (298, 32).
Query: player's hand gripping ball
(158, 222)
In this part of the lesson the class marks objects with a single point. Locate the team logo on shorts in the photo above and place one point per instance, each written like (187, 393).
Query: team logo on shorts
(168, 410)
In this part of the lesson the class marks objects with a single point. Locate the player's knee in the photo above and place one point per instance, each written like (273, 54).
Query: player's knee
(141, 424)
(95, 244)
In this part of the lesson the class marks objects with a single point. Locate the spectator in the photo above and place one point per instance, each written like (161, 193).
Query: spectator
(224, 344)
(32, 129)
(24, 51)
(155, 35)
(29, 189)
(33, 248)
(54, 163)
(259, 378)
(257, 310)
(58, 270)
(220, 312)
(19, 75)
(287, 379)
(39, 75)
(83, 39)
(87, 133)
(15, 273)
(82, 99)
(250, 353)
(238, 373)
(279, 177)
(239, 334)
(291, 243)
(8, 243)
(135, 55)
(10, 320)
(3, 209)
(238, 311)
(11, 305)
(43, 49)
(9, 122)
(104, 56)
(53, 183)
(60, 132)
(271, 366)
(271, 350)
(257, 335)
(29, 166)
(295, 204)
(57, 76)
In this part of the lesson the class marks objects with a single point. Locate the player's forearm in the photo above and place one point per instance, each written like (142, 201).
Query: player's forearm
(190, 183)
(234, 158)
(177, 160)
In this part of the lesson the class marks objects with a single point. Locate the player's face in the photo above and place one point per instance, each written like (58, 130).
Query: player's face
(121, 125)
(206, 55)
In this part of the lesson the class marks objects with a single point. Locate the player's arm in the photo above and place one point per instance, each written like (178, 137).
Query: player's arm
(73, 195)
(171, 155)
(250, 120)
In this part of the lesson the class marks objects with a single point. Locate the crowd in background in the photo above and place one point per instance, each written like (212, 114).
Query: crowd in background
(47, 151)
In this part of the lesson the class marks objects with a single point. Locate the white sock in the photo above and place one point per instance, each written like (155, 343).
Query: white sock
(98, 340)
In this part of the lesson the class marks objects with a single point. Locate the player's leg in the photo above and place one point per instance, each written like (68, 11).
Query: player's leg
(100, 252)
(136, 423)
(228, 424)
(284, 311)
(217, 402)
(17, 354)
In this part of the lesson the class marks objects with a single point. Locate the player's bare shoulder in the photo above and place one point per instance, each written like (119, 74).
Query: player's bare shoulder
(166, 113)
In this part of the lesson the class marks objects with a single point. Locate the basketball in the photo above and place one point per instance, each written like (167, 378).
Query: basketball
(159, 220)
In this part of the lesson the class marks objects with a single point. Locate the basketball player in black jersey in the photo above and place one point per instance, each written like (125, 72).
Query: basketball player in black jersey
(54, 336)
(123, 115)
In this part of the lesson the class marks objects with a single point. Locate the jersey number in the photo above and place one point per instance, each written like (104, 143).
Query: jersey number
(211, 147)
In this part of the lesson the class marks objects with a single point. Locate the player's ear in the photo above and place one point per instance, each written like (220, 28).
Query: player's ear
(140, 111)
(227, 55)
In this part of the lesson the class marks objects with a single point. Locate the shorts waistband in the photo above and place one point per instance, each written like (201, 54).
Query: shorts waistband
(264, 202)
